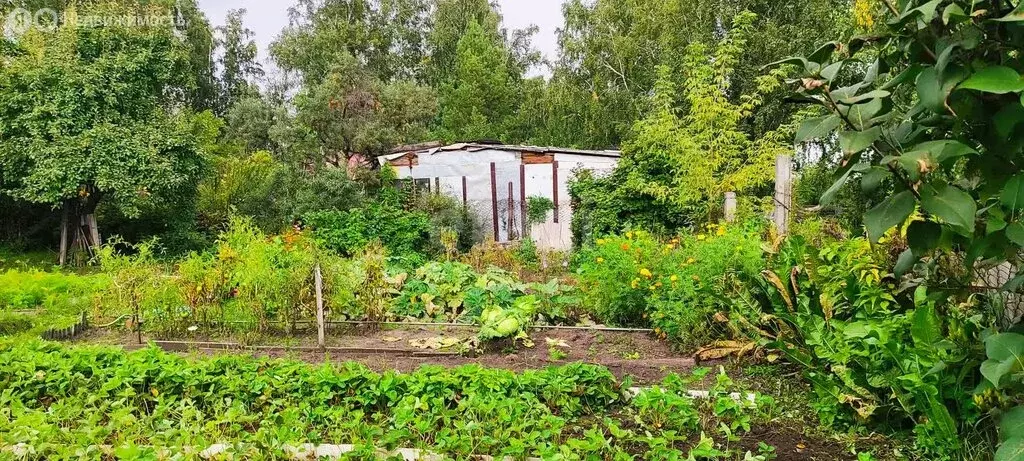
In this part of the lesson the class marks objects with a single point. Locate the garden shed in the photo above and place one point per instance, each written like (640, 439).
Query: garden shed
(495, 181)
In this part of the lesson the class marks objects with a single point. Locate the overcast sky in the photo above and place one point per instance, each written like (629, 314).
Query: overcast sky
(267, 17)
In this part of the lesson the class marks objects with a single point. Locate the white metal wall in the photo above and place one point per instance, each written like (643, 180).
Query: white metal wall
(447, 168)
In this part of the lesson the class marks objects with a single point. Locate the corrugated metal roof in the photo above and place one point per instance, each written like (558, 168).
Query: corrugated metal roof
(474, 147)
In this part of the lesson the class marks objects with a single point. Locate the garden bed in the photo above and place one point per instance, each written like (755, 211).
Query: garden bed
(634, 354)
(149, 403)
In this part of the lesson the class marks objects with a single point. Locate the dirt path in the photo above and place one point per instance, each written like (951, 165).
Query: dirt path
(638, 355)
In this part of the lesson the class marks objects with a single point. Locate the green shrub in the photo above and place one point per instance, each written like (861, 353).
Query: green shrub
(675, 286)
(874, 354)
(20, 290)
(348, 232)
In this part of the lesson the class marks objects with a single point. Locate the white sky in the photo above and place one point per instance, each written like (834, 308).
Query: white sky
(267, 17)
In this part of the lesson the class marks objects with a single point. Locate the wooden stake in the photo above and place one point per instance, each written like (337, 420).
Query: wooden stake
(64, 235)
(783, 192)
(494, 201)
(554, 187)
(319, 285)
(730, 207)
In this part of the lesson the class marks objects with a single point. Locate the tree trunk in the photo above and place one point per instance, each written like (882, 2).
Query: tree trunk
(80, 233)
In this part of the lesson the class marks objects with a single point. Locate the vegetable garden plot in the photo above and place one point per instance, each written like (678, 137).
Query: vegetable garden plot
(99, 402)
(638, 355)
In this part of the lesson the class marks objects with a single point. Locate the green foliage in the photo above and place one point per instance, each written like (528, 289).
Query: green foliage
(479, 99)
(847, 205)
(676, 286)
(238, 63)
(936, 112)
(610, 51)
(372, 299)
(674, 170)
(244, 186)
(64, 401)
(537, 209)
(84, 115)
(34, 301)
(348, 232)
(872, 354)
(446, 214)
(513, 322)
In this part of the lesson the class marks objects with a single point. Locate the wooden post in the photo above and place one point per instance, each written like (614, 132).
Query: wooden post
(318, 281)
(494, 201)
(511, 211)
(730, 207)
(437, 185)
(94, 231)
(783, 192)
(554, 187)
(64, 235)
(465, 201)
(522, 200)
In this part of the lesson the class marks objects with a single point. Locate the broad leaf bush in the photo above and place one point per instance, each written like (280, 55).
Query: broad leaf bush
(675, 286)
(873, 354)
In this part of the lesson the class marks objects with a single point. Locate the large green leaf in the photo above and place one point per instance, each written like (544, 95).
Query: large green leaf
(956, 207)
(1011, 450)
(923, 236)
(890, 213)
(1011, 424)
(1014, 16)
(852, 142)
(933, 87)
(1013, 193)
(872, 178)
(944, 150)
(1015, 232)
(1005, 353)
(861, 115)
(818, 127)
(926, 329)
(994, 79)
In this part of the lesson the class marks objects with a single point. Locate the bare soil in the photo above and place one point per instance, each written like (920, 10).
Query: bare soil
(638, 355)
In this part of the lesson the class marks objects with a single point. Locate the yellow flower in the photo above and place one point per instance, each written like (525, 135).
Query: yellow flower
(600, 260)
(635, 284)
(646, 273)
(629, 235)
(721, 231)
(600, 241)
(670, 246)
(691, 261)
(625, 247)
(658, 284)
(653, 287)
(701, 237)
(674, 278)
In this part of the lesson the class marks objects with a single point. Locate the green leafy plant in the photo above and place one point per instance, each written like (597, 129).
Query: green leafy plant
(872, 356)
(676, 286)
(928, 109)
(537, 209)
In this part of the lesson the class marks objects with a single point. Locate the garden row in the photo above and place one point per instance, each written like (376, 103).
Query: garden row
(96, 402)
(880, 352)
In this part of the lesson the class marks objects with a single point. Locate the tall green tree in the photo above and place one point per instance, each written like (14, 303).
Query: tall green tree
(609, 50)
(480, 99)
(675, 168)
(238, 61)
(84, 116)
